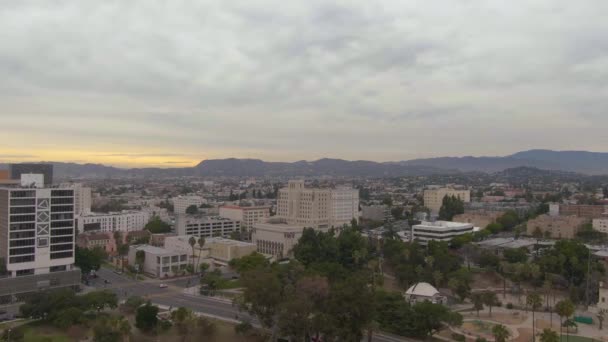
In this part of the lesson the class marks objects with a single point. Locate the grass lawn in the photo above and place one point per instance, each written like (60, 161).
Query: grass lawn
(231, 284)
(573, 338)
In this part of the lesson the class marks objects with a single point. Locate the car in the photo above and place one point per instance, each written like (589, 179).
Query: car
(163, 286)
(118, 272)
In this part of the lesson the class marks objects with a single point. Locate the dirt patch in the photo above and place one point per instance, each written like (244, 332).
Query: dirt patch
(512, 318)
(391, 285)
(525, 335)
(485, 280)
(542, 324)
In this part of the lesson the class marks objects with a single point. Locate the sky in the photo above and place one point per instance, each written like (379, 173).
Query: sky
(170, 83)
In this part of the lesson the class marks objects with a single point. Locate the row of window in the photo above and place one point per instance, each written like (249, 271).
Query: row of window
(21, 243)
(62, 255)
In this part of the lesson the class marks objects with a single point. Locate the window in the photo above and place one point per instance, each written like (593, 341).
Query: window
(56, 248)
(62, 255)
(183, 257)
(20, 259)
(21, 251)
(166, 260)
(174, 259)
(22, 273)
(57, 268)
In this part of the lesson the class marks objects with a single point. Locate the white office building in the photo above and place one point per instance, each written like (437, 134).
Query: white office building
(439, 231)
(181, 203)
(36, 240)
(124, 221)
(206, 226)
(317, 207)
(159, 262)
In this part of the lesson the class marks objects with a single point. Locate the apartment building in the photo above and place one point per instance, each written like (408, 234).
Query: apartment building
(103, 240)
(316, 207)
(37, 239)
(206, 226)
(439, 231)
(181, 203)
(583, 210)
(248, 216)
(124, 221)
(433, 197)
(557, 227)
(601, 225)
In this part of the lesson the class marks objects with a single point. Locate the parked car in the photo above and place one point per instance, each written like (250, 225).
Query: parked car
(163, 286)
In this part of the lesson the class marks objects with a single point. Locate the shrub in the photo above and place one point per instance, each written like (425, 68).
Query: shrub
(458, 337)
(510, 306)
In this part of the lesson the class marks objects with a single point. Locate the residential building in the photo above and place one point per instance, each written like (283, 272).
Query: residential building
(123, 221)
(439, 231)
(375, 212)
(37, 239)
(275, 237)
(82, 198)
(248, 216)
(601, 225)
(159, 262)
(181, 203)
(206, 226)
(103, 240)
(557, 227)
(433, 198)
(317, 207)
(16, 170)
(158, 240)
(480, 218)
(583, 210)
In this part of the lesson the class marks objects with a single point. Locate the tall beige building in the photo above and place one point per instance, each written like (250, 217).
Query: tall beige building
(433, 198)
(315, 207)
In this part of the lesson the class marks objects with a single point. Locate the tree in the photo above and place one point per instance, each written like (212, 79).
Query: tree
(157, 226)
(549, 335)
(89, 259)
(99, 300)
(146, 319)
(111, 329)
(601, 315)
(534, 301)
(201, 244)
(501, 333)
(122, 249)
(450, 207)
(184, 320)
(262, 295)
(490, 299)
(516, 255)
(249, 262)
(564, 308)
(477, 299)
(132, 303)
(192, 242)
(192, 210)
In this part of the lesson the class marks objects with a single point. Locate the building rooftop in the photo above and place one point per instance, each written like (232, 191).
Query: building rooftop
(224, 241)
(422, 289)
(246, 208)
(153, 250)
(443, 224)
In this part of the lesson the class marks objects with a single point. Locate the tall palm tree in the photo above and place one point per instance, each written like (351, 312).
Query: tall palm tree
(549, 335)
(192, 242)
(535, 301)
(501, 333)
(477, 299)
(564, 308)
(201, 244)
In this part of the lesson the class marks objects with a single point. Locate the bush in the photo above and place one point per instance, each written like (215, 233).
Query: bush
(458, 337)
(243, 328)
(510, 306)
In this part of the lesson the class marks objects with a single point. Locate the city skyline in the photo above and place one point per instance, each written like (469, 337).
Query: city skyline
(143, 84)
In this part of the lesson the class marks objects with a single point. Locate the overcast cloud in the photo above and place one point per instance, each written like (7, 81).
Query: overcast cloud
(172, 82)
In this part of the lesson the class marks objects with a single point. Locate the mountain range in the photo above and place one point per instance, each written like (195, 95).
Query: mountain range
(591, 163)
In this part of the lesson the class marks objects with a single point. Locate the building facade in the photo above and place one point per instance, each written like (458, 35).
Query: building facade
(479, 219)
(375, 212)
(275, 238)
(433, 198)
(315, 207)
(36, 240)
(159, 262)
(439, 231)
(556, 227)
(248, 216)
(181, 203)
(103, 240)
(16, 170)
(124, 221)
(601, 225)
(206, 226)
(583, 210)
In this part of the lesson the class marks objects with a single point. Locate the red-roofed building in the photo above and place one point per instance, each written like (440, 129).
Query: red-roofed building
(104, 240)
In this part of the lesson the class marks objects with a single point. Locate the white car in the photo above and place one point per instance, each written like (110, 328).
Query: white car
(163, 286)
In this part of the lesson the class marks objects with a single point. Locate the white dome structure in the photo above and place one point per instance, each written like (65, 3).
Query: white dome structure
(421, 292)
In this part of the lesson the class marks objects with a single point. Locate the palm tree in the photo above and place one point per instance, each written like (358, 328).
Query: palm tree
(140, 258)
(192, 242)
(490, 300)
(549, 335)
(601, 315)
(201, 244)
(437, 277)
(534, 301)
(564, 308)
(501, 333)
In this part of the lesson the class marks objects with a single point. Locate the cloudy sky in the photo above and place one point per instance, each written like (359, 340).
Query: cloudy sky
(168, 83)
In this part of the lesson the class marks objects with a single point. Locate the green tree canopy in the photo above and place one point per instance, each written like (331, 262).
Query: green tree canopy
(450, 207)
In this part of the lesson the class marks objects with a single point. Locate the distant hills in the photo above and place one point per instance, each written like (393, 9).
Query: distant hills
(592, 163)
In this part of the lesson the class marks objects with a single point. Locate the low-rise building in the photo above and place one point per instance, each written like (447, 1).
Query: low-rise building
(375, 212)
(557, 227)
(124, 221)
(224, 250)
(601, 225)
(248, 216)
(479, 218)
(433, 197)
(439, 231)
(275, 237)
(424, 292)
(103, 240)
(206, 226)
(158, 240)
(181, 203)
(582, 210)
(159, 262)
(603, 296)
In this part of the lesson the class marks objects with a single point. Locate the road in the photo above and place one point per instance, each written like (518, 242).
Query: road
(174, 296)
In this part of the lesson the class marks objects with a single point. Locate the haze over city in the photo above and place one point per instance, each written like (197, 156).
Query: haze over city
(145, 83)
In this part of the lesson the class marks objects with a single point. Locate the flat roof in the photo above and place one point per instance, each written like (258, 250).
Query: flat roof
(443, 224)
(246, 208)
(154, 250)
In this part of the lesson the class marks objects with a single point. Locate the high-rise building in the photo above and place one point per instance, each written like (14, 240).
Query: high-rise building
(317, 207)
(433, 198)
(82, 198)
(16, 170)
(37, 239)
